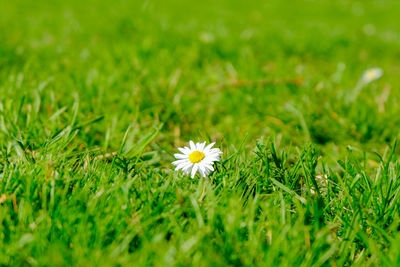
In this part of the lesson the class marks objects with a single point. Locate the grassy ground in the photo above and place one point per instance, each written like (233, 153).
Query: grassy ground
(310, 176)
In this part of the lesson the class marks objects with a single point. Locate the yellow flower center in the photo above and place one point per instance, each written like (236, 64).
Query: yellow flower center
(196, 156)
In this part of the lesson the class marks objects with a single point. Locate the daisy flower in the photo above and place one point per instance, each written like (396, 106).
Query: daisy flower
(197, 157)
(371, 75)
(368, 76)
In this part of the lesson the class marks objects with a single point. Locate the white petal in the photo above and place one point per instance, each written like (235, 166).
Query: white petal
(188, 170)
(214, 156)
(181, 156)
(177, 162)
(185, 150)
(209, 167)
(187, 167)
(207, 160)
(202, 170)
(210, 145)
(211, 158)
(206, 163)
(207, 148)
(200, 146)
(216, 150)
(197, 145)
(192, 146)
(180, 166)
(194, 170)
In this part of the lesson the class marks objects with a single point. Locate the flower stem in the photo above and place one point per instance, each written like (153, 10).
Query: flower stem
(203, 194)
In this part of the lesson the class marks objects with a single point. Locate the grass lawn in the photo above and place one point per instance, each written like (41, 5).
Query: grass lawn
(96, 97)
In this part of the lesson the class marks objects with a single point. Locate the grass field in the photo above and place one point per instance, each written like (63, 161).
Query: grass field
(96, 96)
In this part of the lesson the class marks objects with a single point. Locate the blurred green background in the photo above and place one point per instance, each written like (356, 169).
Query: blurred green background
(149, 62)
(83, 72)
